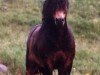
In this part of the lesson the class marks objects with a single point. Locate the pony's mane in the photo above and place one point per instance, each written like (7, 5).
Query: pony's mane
(50, 6)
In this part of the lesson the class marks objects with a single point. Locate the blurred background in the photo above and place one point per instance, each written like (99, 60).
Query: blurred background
(18, 16)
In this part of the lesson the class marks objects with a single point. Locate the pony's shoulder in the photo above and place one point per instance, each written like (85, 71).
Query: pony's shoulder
(35, 27)
(33, 30)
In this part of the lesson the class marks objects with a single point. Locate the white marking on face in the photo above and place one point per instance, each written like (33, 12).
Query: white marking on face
(59, 15)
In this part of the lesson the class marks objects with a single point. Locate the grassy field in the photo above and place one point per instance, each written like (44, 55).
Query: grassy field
(17, 17)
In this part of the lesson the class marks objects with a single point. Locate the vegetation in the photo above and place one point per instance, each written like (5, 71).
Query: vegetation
(17, 17)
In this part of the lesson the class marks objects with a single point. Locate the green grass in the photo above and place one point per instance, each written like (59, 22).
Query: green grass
(17, 17)
(87, 62)
(85, 16)
(12, 50)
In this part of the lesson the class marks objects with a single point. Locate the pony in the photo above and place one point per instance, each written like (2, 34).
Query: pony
(51, 44)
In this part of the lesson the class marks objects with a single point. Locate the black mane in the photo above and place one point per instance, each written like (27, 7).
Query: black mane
(50, 6)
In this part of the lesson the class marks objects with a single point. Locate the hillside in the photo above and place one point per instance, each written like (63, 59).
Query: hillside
(17, 17)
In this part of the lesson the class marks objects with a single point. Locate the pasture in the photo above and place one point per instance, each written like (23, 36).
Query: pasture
(17, 17)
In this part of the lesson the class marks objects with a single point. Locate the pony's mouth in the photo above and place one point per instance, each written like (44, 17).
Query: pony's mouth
(60, 21)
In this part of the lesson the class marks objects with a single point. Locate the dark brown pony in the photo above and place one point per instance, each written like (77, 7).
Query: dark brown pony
(51, 45)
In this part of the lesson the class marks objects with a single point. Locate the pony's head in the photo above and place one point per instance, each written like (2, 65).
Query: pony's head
(55, 9)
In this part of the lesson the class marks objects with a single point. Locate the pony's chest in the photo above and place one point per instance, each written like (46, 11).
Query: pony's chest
(52, 41)
(53, 44)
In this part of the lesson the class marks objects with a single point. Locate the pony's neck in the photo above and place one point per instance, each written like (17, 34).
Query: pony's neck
(50, 28)
(50, 23)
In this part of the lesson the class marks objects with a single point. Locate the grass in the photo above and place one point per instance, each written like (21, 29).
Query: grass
(87, 62)
(12, 50)
(17, 17)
